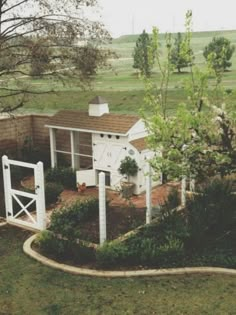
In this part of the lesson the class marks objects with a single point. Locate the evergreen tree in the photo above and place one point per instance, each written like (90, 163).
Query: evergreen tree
(178, 59)
(142, 55)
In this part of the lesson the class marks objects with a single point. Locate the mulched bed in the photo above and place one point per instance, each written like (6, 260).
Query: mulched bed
(120, 220)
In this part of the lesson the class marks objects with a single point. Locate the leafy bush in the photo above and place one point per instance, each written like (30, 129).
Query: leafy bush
(112, 254)
(173, 200)
(211, 214)
(52, 192)
(128, 166)
(65, 220)
(168, 254)
(65, 176)
(53, 246)
(141, 251)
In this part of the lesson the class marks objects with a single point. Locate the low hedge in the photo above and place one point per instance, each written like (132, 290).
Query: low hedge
(65, 220)
(52, 192)
(63, 175)
(64, 250)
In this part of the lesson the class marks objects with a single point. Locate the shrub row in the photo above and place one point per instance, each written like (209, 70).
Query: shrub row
(65, 176)
(65, 220)
(203, 234)
(64, 250)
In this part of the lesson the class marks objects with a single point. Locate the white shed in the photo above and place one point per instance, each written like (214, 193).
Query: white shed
(97, 141)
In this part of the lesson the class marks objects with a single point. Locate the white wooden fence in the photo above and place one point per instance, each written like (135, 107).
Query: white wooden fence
(23, 217)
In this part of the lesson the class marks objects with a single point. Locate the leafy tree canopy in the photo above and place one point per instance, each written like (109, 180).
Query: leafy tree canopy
(199, 140)
(219, 52)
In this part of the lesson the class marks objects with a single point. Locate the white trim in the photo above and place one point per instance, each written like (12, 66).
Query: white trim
(23, 164)
(72, 144)
(89, 130)
(53, 147)
(60, 151)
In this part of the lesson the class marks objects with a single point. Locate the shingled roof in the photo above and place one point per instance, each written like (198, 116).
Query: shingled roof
(108, 123)
(140, 144)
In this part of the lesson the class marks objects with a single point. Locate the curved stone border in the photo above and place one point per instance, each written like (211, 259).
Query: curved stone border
(120, 274)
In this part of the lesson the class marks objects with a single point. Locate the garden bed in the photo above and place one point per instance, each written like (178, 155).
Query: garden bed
(202, 234)
(120, 220)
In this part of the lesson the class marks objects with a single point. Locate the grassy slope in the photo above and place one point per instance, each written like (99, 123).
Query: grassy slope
(27, 287)
(122, 88)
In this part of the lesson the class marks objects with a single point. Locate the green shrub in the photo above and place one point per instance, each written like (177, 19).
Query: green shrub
(212, 213)
(64, 249)
(112, 254)
(141, 251)
(173, 200)
(49, 244)
(128, 166)
(65, 176)
(52, 192)
(65, 220)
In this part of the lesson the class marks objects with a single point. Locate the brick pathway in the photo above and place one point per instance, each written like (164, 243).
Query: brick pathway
(159, 195)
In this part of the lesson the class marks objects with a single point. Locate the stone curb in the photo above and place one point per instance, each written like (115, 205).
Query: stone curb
(120, 274)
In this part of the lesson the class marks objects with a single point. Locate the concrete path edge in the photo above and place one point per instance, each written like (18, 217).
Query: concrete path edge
(27, 248)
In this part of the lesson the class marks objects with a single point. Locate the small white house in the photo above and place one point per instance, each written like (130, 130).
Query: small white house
(97, 141)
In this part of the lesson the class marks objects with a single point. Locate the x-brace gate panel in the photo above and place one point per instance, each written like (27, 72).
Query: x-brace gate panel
(23, 217)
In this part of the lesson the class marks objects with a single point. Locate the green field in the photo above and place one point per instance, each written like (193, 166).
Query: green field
(121, 85)
(27, 287)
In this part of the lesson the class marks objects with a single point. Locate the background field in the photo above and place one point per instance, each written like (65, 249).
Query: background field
(121, 86)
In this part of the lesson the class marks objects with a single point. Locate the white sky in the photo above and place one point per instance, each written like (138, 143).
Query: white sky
(132, 16)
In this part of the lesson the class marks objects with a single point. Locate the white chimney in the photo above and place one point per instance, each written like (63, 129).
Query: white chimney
(98, 107)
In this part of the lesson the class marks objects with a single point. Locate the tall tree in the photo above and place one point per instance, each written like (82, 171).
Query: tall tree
(143, 56)
(178, 59)
(219, 52)
(41, 37)
(198, 141)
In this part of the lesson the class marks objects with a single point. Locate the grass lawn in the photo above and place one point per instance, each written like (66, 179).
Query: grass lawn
(121, 86)
(27, 287)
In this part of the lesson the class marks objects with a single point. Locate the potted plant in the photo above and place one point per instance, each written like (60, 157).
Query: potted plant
(128, 167)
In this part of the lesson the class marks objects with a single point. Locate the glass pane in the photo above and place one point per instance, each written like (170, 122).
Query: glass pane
(63, 140)
(63, 160)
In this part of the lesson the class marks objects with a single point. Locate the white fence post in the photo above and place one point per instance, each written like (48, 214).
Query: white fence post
(192, 184)
(39, 182)
(102, 208)
(53, 147)
(7, 186)
(183, 191)
(148, 195)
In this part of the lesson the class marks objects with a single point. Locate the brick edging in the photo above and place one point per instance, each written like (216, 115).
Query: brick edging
(120, 274)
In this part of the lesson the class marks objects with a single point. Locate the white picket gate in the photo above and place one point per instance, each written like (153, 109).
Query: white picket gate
(23, 217)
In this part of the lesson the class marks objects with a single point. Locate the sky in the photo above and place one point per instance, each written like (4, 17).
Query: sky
(133, 16)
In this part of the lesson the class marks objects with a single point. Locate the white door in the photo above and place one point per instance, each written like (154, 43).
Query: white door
(107, 156)
(87, 176)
